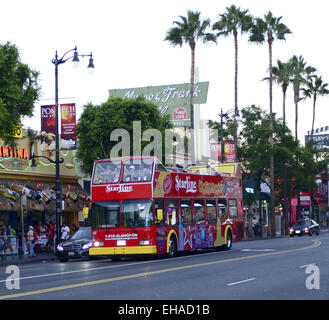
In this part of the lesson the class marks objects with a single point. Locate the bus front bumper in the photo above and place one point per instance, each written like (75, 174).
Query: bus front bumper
(105, 251)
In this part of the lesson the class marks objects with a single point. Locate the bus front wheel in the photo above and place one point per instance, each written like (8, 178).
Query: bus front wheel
(228, 244)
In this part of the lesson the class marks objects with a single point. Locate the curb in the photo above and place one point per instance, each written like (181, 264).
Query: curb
(25, 260)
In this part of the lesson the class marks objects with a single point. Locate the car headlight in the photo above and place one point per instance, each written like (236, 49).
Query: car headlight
(60, 248)
(291, 230)
(306, 229)
(87, 245)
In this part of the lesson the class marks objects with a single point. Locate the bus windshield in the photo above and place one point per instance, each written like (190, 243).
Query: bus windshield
(105, 214)
(137, 213)
(137, 170)
(107, 172)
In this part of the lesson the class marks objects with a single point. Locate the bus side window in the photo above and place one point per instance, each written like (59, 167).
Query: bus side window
(211, 211)
(172, 212)
(222, 211)
(233, 208)
(159, 205)
(186, 211)
(199, 212)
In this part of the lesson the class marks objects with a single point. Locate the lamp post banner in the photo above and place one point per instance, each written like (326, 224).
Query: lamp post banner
(68, 126)
(229, 152)
(172, 100)
(48, 128)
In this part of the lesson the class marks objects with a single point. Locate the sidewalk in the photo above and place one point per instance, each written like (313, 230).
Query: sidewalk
(23, 259)
(278, 235)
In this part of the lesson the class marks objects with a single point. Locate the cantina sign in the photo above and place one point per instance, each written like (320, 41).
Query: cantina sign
(14, 152)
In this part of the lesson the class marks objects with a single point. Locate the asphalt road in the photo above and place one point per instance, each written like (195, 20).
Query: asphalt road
(271, 269)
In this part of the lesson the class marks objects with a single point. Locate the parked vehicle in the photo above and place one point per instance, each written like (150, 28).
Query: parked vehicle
(76, 247)
(302, 227)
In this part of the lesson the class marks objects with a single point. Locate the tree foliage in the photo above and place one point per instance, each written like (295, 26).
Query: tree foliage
(96, 124)
(19, 90)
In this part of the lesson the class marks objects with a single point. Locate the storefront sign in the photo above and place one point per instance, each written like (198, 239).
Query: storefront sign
(15, 152)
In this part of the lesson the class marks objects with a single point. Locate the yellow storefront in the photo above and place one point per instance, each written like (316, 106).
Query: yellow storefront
(28, 187)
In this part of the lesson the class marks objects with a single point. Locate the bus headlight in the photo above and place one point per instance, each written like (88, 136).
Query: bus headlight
(98, 244)
(144, 242)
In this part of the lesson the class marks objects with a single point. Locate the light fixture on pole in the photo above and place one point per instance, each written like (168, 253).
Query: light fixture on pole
(57, 62)
(222, 115)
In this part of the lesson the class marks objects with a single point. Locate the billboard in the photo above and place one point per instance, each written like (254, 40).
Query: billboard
(320, 141)
(172, 100)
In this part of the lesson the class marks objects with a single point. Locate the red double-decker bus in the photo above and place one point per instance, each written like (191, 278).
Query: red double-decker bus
(141, 207)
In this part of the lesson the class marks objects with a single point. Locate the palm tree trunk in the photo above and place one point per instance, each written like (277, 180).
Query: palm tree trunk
(272, 209)
(236, 87)
(314, 101)
(284, 91)
(284, 223)
(296, 98)
(192, 45)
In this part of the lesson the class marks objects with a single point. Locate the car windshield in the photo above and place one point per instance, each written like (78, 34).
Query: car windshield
(82, 234)
(301, 223)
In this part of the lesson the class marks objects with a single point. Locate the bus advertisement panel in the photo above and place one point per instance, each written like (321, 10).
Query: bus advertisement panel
(139, 207)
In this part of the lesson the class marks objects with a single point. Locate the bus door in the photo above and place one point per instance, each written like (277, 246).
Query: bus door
(238, 225)
(212, 221)
(160, 233)
(186, 228)
(172, 221)
(222, 221)
(200, 223)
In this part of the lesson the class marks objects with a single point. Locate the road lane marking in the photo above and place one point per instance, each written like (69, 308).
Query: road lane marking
(97, 268)
(307, 265)
(239, 282)
(150, 273)
(260, 250)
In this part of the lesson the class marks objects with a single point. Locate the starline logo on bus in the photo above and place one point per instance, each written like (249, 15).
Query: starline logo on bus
(120, 188)
(190, 186)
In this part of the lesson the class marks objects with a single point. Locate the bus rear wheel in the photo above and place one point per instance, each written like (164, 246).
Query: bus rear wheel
(172, 252)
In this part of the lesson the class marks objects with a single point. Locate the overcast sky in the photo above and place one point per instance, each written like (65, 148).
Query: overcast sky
(126, 40)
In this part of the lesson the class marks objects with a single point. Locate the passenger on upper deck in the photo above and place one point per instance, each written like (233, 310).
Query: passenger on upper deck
(144, 173)
(131, 174)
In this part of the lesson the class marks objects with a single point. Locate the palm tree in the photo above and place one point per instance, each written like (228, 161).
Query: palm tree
(267, 30)
(230, 22)
(315, 87)
(300, 73)
(282, 76)
(189, 30)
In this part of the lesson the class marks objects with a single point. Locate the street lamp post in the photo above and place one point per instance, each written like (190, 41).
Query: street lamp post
(57, 62)
(222, 115)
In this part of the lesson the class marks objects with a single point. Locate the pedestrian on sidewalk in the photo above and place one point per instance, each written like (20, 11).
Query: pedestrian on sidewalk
(65, 230)
(31, 238)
